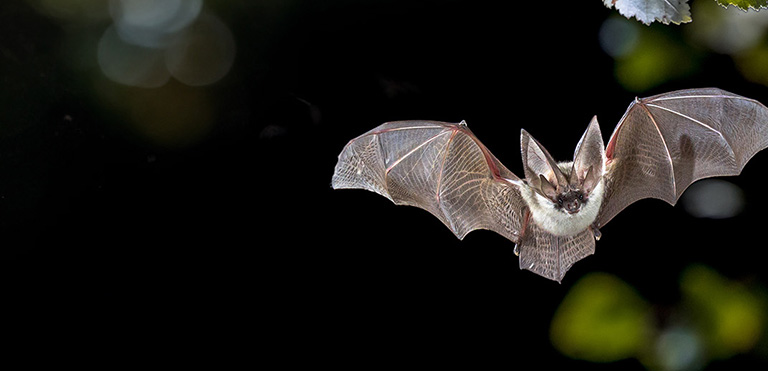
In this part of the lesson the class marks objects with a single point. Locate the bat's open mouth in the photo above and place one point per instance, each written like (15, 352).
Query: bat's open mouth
(572, 207)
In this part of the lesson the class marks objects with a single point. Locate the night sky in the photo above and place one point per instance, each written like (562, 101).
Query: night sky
(230, 245)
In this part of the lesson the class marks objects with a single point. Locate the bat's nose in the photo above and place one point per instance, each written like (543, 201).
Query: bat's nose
(572, 206)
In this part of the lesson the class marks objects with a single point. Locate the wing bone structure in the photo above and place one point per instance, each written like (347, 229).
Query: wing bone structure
(666, 142)
(439, 167)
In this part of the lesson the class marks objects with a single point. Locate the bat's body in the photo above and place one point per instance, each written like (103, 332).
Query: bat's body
(552, 219)
(661, 145)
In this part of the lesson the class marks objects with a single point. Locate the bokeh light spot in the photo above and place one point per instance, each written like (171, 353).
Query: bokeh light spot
(735, 316)
(130, 64)
(151, 41)
(203, 54)
(602, 319)
(618, 36)
(713, 198)
(654, 60)
(151, 23)
(679, 348)
(753, 64)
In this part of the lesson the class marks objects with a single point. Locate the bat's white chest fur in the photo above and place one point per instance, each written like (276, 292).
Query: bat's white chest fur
(555, 220)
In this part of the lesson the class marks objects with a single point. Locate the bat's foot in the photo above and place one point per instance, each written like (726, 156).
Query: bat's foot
(595, 232)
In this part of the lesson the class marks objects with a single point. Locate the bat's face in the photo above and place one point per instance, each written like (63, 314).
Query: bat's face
(570, 201)
(569, 198)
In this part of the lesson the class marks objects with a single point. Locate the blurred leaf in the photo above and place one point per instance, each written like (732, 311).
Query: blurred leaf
(732, 316)
(729, 31)
(655, 59)
(753, 64)
(646, 11)
(602, 319)
(744, 4)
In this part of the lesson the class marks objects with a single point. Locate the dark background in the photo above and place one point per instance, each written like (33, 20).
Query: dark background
(235, 247)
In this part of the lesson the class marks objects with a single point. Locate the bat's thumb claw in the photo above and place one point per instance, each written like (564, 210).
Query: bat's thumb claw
(596, 232)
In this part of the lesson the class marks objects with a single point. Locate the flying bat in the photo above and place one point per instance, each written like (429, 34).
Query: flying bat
(660, 146)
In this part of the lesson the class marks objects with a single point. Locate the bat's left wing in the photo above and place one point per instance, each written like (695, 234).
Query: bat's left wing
(668, 141)
(439, 167)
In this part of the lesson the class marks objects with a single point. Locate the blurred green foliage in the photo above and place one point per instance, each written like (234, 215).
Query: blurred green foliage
(603, 319)
(654, 60)
(730, 315)
(752, 64)
(646, 57)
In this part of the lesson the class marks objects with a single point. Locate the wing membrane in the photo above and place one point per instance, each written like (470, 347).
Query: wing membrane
(552, 256)
(439, 167)
(668, 141)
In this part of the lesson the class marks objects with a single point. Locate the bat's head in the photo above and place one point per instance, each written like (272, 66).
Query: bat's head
(567, 185)
(567, 198)
(570, 201)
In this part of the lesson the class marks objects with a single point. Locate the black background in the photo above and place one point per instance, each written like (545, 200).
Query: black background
(237, 248)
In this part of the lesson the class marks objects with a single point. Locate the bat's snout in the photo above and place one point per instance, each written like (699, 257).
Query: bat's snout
(572, 206)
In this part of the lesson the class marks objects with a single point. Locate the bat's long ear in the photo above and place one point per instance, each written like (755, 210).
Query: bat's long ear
(588, 159)
(540, 168)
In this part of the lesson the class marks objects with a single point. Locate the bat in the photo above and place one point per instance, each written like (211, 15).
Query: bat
(660, 146)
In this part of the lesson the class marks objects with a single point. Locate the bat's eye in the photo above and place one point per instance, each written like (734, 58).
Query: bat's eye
(581, 197)
(560, 201)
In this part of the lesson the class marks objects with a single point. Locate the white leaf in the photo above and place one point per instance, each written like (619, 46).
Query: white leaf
(646, 11)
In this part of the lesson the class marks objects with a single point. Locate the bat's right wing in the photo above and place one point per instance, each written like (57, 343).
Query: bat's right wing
(668, 141)
(439, 167)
